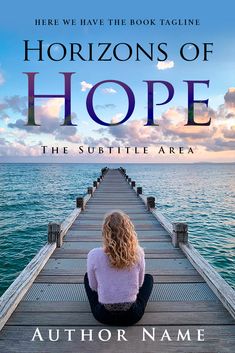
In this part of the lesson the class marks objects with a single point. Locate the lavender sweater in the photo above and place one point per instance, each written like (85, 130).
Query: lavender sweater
(114, 285)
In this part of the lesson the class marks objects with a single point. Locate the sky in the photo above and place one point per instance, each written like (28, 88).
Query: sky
(170, 141)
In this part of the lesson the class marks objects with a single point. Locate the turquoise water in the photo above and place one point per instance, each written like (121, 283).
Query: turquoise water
(31, 195)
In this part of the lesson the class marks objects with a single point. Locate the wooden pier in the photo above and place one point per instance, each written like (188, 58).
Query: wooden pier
(49, 294)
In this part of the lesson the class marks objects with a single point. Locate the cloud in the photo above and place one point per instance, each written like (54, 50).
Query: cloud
(229, 132)
(68, 133)
(219, 136)
(85, 86)
(105, 106)
(17, 104)
(164, 65)
(2, 79)
(134, 133)
(93, 142)
(220, 144)
(48, 115)
(173, 120)
(19, 124)
(3, 106)
(229, 97)
(109, 91)
(117, 118)
(18, 148)
(227, 110)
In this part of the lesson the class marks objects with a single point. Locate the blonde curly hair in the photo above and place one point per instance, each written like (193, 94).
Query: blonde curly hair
(120, 240)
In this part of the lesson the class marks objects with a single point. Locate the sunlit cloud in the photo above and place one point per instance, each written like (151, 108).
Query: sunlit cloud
(164, 65)
(229, 97)
(85, 86)
(109, 91)
(216, 139)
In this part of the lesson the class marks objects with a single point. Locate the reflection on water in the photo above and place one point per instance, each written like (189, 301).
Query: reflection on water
(31, 195)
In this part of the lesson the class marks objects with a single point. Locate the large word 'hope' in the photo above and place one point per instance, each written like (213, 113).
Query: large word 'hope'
(130, 96)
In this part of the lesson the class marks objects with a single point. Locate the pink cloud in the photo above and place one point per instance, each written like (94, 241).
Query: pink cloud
(218, 136)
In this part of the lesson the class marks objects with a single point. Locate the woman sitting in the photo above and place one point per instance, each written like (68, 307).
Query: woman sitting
(116, 284)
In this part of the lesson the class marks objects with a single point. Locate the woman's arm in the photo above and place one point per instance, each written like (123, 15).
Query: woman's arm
(91, 272)
(142, 268)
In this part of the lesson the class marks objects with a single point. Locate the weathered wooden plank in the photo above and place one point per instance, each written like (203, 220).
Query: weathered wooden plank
(193, 278)
(146, 238)
(98, 222)
(119, 197)
(81, 250)
(160, 272)
(92, 227)
(98, 233)
(77, 307)
(136, 216)
(65, 226)
(77, 238)
(102, 207)
(75, 255)
(98, 225)
(163, 221)
(149, 246)
(153, 318)
(158, 264)
(131, 203)
(102, 210)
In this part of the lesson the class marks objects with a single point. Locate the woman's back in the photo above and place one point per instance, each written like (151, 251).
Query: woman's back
(112, 284)
(116, 284)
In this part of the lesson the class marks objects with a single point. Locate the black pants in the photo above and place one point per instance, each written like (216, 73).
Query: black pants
(124, 318)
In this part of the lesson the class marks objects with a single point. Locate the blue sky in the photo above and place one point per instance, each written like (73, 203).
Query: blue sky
(216, 25)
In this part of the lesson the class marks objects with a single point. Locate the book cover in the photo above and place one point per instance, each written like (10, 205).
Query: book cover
(126, 108)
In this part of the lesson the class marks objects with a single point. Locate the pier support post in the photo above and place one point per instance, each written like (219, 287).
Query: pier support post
(139, 190)
(133, 184)
(95, 183)
(180, 234)
(80, 202)
(90, 190)
(122, 170)
(104, 170)
(54, 233)
(150, 202)
(98, 180)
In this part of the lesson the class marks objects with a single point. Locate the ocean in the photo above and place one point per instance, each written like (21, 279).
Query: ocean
(31, 195)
